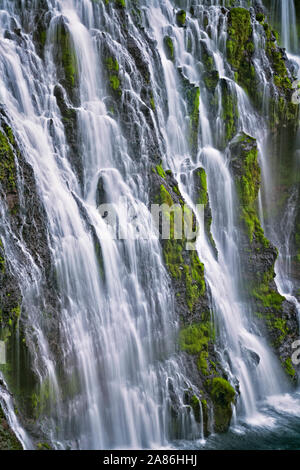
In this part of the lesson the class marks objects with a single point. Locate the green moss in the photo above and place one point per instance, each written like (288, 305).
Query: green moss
(121, 3)
(164, 196)
(191, 93)
(260, 17)
(169, 47)
(182, 265)
(281, 108)
(160, 171)
(229, 111)
(195, 404)
(277, 327)
(152, 103)
(223, 396)
(43, 397)
(239, 32)
(201, 184)
(207, 58)
(195, 339)
(2, 259)
(40, 36)
(8, 440)
(269, 298)
(194, 280)
(173, 258)
(7, 161)
(43, 446)
(112, 64)
(112, 69)
(181, 17)
(269, 308)
(289, 368)
(240, 49)
(221, 391)
(211, 79)
(248, 183)
(68, 57)
(114, 82)
(117, 3)
(193, 97)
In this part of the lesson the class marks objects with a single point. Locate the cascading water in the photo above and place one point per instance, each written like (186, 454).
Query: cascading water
(112, 334)
(283, 12)
(118, 367)
(281, 232)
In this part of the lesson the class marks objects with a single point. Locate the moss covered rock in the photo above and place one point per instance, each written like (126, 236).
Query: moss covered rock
(181, 17)
(223, 397)
(201, 197)
(240, 48)
(8, 440)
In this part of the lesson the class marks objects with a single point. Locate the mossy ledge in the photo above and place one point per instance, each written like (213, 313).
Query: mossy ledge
(274, 313)
(201, 197)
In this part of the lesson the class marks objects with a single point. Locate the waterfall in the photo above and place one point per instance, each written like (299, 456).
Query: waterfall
(105, 354)
(284, 13)
(280, 232)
